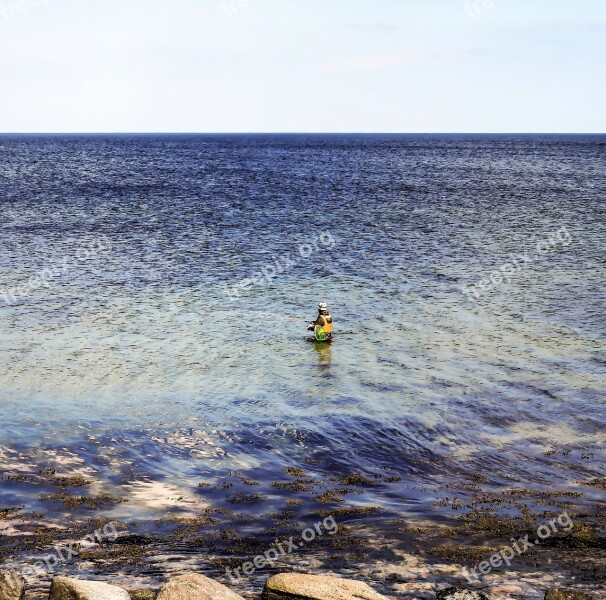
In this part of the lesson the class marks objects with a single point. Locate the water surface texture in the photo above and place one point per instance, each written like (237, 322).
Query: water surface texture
(136, 360)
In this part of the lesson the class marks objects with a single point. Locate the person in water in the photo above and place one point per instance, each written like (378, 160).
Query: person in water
(324, 322)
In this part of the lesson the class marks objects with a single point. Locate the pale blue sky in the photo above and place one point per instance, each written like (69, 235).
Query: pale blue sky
(303, 65)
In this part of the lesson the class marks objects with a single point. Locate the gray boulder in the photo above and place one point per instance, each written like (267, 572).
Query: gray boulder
(562, 594)
(453, 593)
(294, 586)
(65, 588)
(12, 586)
(195, 587)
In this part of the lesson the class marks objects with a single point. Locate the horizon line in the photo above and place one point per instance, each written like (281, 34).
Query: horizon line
(6, 133)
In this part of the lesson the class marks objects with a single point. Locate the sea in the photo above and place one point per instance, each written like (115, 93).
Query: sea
(156, 371)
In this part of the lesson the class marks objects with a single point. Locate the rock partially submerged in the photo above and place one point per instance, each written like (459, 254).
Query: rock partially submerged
(561, 594)
(294, 586)
(453, 593)
(65, 588)
(12, 586)
(195, 587)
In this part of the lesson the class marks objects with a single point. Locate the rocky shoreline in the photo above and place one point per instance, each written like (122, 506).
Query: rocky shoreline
(284, 586)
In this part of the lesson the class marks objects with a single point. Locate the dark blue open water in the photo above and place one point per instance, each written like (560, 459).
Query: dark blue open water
(139, 358)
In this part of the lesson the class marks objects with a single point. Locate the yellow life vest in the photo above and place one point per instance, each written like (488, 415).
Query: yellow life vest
(325, 322)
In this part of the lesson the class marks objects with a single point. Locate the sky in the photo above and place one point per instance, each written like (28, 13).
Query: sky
(303, 66)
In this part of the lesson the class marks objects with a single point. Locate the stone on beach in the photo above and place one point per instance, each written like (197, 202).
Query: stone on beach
(562, 594)
(317, 587)
(418, 589)
(12, 586)
(506, 590)
(65, 588)
(195, 587)
(453, 593)
(143, 594)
